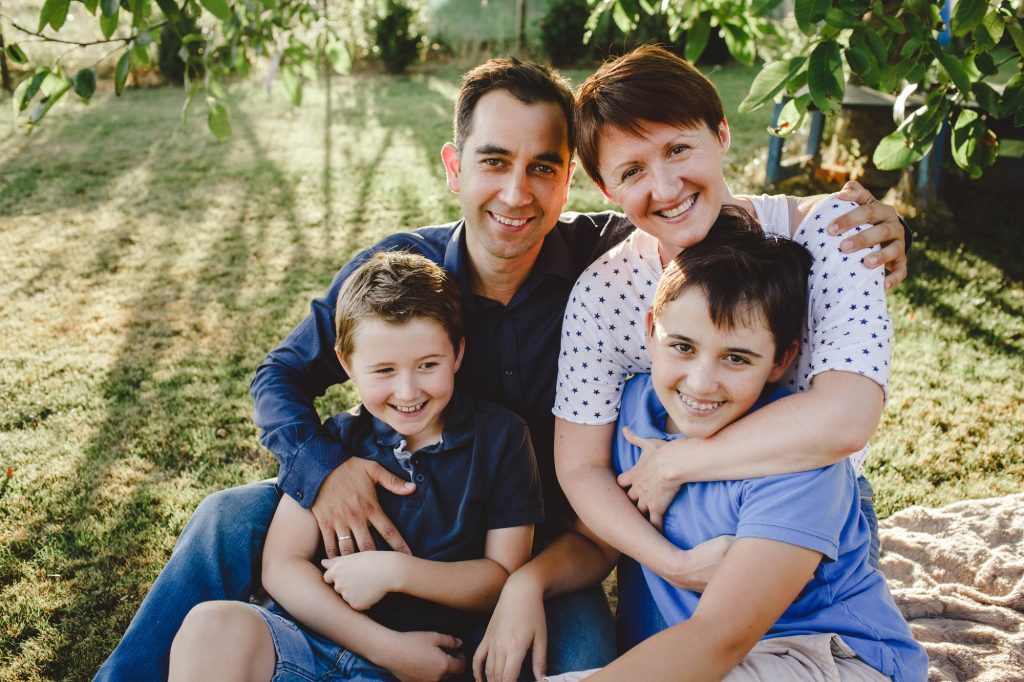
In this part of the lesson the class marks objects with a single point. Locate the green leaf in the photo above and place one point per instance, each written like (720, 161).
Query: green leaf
(16, 54)
(825, 76)
(893, 24)
(121, 72)
(953, 67)
(85, 84)
(808, 13)
(985, 63)
(108, 24)
(53, 88)
(861, 61)
(915, 27)
(769, 82)
(624, 22)
(218, 120)
(268, 4)
(740, 43)
(140, 54)
(292, 83)
(992, 25)
(169, 8)
(760, 8)
(966, 15)
(792, 117)
(28, 89)
(697, 38)
(218, 8)
(875, 43)
(895, 151)
(187, 105)
(109, 7)
(91, 5)
(1016, 34)
(974, 146)
(338, 57)
(987, 98)
(840, 19)
(54, 13)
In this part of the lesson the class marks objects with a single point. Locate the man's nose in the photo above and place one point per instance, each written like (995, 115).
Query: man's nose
(516, 189)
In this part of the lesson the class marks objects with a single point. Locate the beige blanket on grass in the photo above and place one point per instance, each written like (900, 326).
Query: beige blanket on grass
(957, 574)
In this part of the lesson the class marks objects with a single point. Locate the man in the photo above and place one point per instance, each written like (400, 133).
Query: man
(516, 261)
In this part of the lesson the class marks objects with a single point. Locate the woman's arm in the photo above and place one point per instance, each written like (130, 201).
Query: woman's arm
(755, 584)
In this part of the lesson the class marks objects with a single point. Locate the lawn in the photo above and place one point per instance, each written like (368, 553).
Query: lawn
(147, 270)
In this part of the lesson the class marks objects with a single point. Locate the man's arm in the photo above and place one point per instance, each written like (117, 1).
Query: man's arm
(756, 583)
(290, 577)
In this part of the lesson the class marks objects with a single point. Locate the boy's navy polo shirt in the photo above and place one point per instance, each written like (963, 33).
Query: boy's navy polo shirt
(481, 476)
(511, 354)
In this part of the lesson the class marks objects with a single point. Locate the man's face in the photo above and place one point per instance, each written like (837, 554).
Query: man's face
(512, 177)
(708, 377)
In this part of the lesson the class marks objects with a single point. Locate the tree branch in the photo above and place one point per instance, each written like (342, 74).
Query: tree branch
(76, 43)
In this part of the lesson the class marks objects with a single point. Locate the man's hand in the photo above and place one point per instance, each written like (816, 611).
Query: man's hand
(363, 579)
(425, 656)
(692, 569)
(648, 483)
(516, 625)
(347, 506)
(886, 229)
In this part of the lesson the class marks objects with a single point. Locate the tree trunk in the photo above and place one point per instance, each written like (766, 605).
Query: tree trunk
(3, 65)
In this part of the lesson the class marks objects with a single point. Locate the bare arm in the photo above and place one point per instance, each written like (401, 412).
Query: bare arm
(755, 584)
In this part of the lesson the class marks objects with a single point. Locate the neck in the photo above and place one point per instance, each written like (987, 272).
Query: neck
(499, 278)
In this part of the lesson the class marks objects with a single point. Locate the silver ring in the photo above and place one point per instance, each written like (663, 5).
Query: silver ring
(342, 538)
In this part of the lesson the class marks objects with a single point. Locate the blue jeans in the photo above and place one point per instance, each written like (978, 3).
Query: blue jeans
(218, 557)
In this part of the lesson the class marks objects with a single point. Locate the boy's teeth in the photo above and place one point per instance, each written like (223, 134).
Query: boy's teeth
(680, 208)
(409, 408)
(509, 221)
(700, 406)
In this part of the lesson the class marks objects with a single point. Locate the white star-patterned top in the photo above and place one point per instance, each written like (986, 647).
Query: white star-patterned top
(603, 338)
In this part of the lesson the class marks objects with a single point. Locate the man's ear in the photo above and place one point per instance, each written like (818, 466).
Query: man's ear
(459, 352)
(782, 365)
(450, 158)
(724, 136)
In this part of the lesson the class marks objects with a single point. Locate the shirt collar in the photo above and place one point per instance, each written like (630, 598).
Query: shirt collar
(458, 427)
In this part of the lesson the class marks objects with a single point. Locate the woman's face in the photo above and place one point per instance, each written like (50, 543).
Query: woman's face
(668, 182)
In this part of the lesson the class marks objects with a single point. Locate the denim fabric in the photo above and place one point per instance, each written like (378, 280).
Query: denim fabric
(217, 557)
(867, 505)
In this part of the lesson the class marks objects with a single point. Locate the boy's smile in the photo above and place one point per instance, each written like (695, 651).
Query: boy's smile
(705, 376)
(405, 374)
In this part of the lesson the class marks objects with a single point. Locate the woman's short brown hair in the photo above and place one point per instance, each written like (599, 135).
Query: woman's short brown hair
(647, 85)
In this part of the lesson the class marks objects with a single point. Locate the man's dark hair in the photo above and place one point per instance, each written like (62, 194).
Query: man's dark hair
(528, 82)
(395, 286)
(647, 85)
(745, 275)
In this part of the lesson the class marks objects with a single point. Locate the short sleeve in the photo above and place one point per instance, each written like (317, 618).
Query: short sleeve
(848, 325)
(808, 509)
(516, 498)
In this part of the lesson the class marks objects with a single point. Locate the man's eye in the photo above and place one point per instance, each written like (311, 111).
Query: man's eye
(493, 163)
(541, 168)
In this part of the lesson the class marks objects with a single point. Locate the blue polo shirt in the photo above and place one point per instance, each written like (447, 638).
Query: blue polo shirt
(818, 510)
(482, 475)
(511, 354)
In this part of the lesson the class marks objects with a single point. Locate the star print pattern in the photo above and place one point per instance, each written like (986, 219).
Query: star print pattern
(604, 340)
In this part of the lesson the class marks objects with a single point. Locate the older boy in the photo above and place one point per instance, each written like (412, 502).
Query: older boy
(794, 597)
(469, 521)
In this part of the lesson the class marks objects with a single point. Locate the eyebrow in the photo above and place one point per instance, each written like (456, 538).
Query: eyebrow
(549, 157)
(744, 351)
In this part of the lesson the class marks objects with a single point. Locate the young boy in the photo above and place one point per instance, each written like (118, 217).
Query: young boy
(794, 597)
(468, 519)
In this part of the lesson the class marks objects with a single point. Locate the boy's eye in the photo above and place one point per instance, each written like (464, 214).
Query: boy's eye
(736, 359)
(682, 347)
(383, 370)
(430, 364)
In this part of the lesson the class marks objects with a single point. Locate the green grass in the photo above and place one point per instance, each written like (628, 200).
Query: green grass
(147, 270)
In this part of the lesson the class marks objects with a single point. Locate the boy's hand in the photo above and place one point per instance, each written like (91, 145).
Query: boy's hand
(425, 656)
(649, 483)
(886, 229)
(363, 579)
(517, 625)
(347, 506)
(692, 569)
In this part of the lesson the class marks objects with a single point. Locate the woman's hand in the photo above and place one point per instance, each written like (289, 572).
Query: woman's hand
(692, 569)
(886, 230)
(651, 483)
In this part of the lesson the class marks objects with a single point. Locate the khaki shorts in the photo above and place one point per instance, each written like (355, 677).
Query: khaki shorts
(816, 658)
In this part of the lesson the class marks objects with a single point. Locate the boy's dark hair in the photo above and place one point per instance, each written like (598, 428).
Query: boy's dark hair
(528, 82)
(647, 85)
(396, 286)
(745, 274)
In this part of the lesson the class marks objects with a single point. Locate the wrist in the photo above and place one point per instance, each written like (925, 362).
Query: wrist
(399, 570)
(525, 583)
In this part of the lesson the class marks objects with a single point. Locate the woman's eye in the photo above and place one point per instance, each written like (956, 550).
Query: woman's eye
(678, 149)
(632, 172)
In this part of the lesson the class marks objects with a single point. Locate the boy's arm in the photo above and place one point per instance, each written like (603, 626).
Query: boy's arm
(473, 585)
(296, 584)
(756, 583)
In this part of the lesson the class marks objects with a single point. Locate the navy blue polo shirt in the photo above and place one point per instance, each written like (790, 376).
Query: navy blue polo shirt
(511, 353)
(482, 475)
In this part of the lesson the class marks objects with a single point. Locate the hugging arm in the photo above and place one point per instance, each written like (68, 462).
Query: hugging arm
(756, 582)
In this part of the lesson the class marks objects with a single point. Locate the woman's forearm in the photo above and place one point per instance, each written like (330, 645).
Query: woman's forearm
(803, 431)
